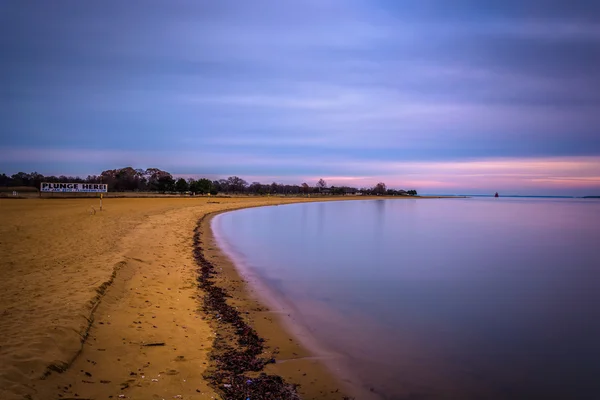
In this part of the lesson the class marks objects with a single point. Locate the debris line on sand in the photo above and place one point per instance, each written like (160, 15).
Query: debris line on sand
(237, 348)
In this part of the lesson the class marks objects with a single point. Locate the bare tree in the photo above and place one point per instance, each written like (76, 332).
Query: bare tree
(321, 184)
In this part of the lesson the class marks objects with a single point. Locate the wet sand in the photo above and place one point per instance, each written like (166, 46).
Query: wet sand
(108, 304)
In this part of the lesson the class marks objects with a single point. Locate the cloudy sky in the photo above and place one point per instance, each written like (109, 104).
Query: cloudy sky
(441, 96)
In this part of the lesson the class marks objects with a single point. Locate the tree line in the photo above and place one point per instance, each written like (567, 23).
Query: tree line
(155, 180)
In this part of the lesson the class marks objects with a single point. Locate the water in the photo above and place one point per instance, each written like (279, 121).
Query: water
(438, 298)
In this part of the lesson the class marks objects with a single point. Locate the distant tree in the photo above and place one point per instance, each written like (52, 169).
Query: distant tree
(337, 190)
(379, 189)
(125, 179)
(20, 179)
(321, 184)
(274, 188)
(290, 189)
(305, 188)
(224, 185)
(256, 188)
(158, 180)
(35, 179)
(91, 179)
(154, 179)
(192, 185)
(181, 185)
(5, 180)
(216, 186)
(350, 190)
(165, 183)
(236, 184)
(205, 186)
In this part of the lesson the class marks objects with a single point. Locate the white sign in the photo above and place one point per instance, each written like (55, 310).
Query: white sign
(74, 187)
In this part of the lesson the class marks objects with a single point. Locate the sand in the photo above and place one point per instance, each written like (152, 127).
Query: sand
(83, 294)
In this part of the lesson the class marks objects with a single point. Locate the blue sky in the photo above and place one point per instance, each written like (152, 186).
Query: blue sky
(441, 96)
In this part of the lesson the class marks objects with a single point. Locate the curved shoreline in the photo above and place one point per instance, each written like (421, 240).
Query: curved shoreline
(287, 357)
(289, 318)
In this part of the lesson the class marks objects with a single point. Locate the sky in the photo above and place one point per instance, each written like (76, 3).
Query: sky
(462, 96)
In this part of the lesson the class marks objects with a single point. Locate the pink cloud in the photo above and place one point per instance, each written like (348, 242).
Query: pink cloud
(518, 175)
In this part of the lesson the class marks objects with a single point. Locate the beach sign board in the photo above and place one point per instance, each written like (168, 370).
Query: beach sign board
(74, 187)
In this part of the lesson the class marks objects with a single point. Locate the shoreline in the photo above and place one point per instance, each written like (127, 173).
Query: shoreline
(288, 317)
(295, 363)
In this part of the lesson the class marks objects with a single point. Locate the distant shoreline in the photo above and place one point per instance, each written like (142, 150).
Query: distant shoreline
(154, 195)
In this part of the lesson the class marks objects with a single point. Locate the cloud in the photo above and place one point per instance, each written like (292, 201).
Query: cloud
(300, 88)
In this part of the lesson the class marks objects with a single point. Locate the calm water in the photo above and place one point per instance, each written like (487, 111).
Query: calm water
(440, 298)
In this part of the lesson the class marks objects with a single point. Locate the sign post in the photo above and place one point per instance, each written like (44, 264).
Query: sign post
(75, 188)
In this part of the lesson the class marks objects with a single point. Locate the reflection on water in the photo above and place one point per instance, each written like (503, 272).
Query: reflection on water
(449, 298)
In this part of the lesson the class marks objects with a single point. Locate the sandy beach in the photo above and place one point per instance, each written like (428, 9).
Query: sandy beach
(107, 304)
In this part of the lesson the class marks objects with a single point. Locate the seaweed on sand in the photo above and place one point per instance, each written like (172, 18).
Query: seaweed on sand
(237, 349)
